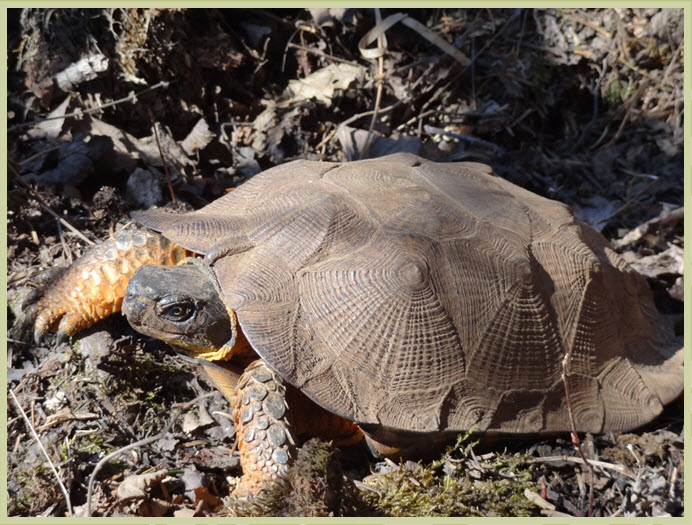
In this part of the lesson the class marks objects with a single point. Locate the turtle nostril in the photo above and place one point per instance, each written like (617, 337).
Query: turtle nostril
(131, 307)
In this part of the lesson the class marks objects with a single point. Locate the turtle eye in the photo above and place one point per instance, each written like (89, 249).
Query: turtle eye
(175, 310)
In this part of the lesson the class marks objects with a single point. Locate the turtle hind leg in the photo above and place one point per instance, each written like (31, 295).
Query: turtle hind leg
(314, 421)
(93, 287)
(264, 430)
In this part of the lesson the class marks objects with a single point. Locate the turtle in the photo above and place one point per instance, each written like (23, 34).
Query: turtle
(394, 300)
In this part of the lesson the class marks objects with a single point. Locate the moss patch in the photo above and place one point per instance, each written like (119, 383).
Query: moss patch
(457, 484)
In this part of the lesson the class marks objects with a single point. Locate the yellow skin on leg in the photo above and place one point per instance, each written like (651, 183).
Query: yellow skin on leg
(268, 413)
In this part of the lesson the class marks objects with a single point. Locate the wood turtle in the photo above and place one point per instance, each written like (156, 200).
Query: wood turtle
(398, 298)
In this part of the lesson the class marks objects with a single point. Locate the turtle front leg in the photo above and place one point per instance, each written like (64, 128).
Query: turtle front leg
(264, 431)
(93, 287)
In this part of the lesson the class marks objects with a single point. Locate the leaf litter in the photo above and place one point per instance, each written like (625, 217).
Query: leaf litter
(111, 110)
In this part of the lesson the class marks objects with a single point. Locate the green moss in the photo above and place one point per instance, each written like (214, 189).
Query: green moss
(617, 92)
(37, 490)
(315, 487)
(445, 488)
(92, 443)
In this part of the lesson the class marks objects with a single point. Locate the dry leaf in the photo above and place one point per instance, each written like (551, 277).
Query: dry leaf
(670, 261)
(136, 486)
(198, 138)
(353, 140)
(52, 127)
(322, 83)
(203, 494)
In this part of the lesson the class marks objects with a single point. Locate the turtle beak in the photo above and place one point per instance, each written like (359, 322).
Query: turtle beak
(135, 301)
(133, 308)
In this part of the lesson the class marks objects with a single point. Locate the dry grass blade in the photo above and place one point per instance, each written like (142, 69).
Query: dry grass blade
(47, 208)
(322, 54)
(132, 97)
(433, 38)
(538, 501)
(163, 158)
(45, 453)
(575, 436)
(596, 463)
(382, 26)
(381, 46)
(136, 444)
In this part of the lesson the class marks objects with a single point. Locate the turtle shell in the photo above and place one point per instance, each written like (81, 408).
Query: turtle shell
(423, 296)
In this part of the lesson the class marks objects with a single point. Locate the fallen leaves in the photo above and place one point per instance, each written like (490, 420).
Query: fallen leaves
(138, 486)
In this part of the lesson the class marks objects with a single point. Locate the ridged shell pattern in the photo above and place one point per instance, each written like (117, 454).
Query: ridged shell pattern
(422, 296)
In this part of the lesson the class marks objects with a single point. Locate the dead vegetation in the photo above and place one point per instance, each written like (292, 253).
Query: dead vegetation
(111, 110)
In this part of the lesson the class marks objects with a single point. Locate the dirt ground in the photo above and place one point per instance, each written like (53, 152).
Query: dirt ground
(113, 110)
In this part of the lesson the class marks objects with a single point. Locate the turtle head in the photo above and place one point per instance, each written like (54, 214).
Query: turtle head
(181, 306)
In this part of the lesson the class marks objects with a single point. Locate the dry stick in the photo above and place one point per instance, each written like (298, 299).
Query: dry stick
(22, 276)
(163, 159)
(673, 60)
(387, 109)
(283, 60)
(575, 436)
(324, 55)
(366, 53)
(356, 117)
(589, 24)
(596, 463)
(37, 155)
(382, 44)
(132, 97)
(46, 208)
(136, 444)
(45, 453)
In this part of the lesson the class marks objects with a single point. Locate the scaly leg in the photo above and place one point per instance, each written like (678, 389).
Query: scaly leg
(268, 414)
(264, 431)
(93, 287)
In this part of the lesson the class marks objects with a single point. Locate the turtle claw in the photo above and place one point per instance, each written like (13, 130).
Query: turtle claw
(38, 336)
(62, 337)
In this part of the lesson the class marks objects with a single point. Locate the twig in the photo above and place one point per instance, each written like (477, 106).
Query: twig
(163, 158)
(283, 60)
(596, 463)
(575, 437)
(381, 43)
(136, 444)
(132, 97)
(45, 453)
(673, 60)
(37, 155)
(538, 500)
(364, 486)
(589, 24)
(633, 67)
(630, 105)
(356, 117)
(317, 52)
(46, 208)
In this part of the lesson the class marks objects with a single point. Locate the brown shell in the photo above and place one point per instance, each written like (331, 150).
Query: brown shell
(424, 296)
